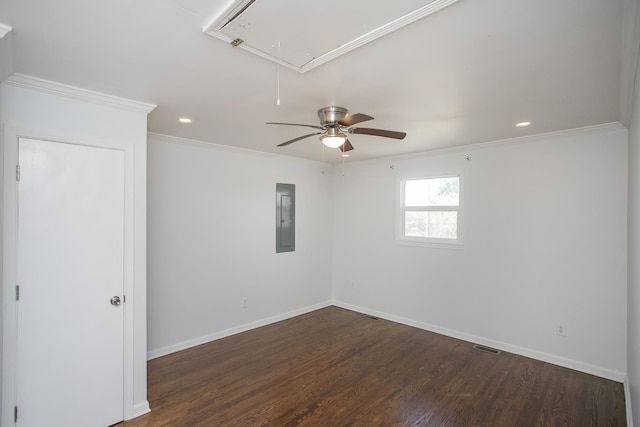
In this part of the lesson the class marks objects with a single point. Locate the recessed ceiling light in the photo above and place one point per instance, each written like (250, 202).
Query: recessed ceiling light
(184, 120)
(523, 124)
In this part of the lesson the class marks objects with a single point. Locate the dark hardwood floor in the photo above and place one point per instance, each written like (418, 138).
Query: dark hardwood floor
(335, 367)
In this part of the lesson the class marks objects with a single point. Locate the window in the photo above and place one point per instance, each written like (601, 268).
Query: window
(431, 210)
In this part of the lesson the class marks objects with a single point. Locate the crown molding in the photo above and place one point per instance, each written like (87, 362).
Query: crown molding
(238, 150)
(586, 130)
(60, 89)
(539, 137)
(4, 30)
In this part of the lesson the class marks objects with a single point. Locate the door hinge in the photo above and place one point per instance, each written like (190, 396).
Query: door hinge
(17, 172)
(15, 414)
(17, 293)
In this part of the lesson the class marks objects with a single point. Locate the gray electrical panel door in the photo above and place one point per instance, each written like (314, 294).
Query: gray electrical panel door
(285, 218)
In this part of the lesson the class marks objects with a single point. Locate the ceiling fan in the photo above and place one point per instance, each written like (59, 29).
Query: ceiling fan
(335, 123)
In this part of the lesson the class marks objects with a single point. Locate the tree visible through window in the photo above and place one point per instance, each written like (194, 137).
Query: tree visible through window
(431, 209)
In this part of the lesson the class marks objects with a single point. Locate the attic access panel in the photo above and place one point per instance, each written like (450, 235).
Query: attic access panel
(303, 34)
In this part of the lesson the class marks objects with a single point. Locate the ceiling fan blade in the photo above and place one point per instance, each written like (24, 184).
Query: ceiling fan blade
(379, 132)
(346, 146)
(298, 139)
(354, 119)
(296, 124)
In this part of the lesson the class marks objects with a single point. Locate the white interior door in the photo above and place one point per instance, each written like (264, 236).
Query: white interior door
(70, 264)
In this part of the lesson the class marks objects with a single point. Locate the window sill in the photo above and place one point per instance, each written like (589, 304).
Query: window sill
(456, 246)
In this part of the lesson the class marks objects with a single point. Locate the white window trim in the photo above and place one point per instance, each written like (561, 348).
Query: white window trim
(433, 242)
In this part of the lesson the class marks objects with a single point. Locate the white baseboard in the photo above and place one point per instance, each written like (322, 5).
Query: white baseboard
(627, 402)
(140, 408)
(534, 354)
(152, 354)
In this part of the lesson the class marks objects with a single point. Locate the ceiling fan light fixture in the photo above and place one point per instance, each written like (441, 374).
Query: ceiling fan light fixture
(333, 141)
(335, 124)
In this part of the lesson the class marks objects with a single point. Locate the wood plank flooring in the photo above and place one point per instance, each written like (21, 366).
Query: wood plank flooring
(335, 367)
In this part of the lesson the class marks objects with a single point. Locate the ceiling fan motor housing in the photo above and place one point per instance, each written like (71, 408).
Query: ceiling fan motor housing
(330, 115)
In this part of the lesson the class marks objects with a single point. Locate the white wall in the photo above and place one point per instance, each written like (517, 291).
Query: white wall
(211, 241)
(2, 239)
(544, 242)
(633, 333)
(49, 111)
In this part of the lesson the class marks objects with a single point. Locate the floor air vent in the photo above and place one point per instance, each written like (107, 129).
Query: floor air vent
(368, 316)
(487, 349)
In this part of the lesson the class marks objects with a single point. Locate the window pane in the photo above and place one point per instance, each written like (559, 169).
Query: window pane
(432, 192)
(436, 224)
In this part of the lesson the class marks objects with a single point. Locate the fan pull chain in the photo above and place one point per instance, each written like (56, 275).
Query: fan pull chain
(278, 97)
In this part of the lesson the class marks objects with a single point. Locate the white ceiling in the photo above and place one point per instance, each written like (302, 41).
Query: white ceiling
(463, 75)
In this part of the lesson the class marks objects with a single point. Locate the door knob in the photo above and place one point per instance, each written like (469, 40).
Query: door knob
(115, 301)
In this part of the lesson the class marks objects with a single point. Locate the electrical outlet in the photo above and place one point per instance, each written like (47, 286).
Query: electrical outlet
(562, 329)
(245, 302)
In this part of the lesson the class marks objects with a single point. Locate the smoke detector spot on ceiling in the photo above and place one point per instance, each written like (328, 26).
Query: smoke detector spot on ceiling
(302, 35)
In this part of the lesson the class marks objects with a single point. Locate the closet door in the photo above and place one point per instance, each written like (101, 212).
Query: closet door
(70, 271)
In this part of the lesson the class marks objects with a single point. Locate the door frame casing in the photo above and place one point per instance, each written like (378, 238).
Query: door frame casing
(10, 262)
